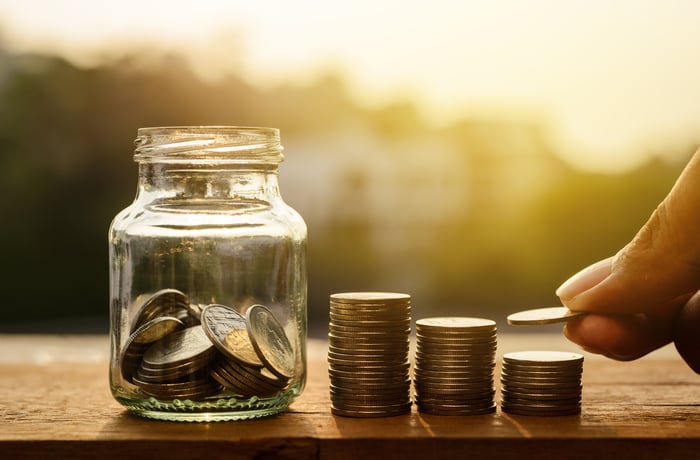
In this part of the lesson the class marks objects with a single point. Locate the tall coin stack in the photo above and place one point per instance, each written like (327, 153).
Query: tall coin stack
(368, 347)
(542, 383)
(454, 363)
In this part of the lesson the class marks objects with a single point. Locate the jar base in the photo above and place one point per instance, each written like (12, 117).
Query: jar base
(221, 409)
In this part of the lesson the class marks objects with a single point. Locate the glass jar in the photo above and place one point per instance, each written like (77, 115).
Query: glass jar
(207, 279)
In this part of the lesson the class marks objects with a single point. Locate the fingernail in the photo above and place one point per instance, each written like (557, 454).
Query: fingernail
(584, 280)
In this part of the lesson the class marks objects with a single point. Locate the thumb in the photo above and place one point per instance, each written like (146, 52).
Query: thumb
(660, 264)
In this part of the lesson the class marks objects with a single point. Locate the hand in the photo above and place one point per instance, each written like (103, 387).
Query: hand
(647, 294)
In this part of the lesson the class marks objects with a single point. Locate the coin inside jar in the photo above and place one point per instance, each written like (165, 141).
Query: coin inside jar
(138, 342)
(166, 302)
(227, 329)
(180, 348)
(270, 342)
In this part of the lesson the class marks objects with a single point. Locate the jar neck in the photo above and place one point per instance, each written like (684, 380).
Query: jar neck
(217, 182)
(208, 162)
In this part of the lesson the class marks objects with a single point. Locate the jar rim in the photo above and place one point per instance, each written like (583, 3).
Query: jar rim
(216, 143)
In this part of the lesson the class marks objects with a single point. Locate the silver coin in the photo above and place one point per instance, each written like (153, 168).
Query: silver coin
(471, 380)
(374, 372)
(196, 393)
(455, 400)
(244, 384)
(393, 318)
(384, 308)
(372, 412)
(224, 382)
(200, 386)
(455, 323)
(543, 370)
(165, 302)
(547, 315)
(542, 403)
(156, 329)
(241, 385)
(477, 359)
(353, 352)
(395, 360)
(179, 347)
(457, 411)
(525, 378)
(474, 348)
(474, 400)
(523, 394)
(398, 396)
(360, 333)
(370, 404)
(195, 310)
(380, 341)
(540, 357)
(193, 382)
(476, 392)
(378, 359)
(373, 385)
(522, 411)
(259, 376)
(227, 330)
(270, 342)
(370, 297)
(137, 344)
(429, 366)
(527, 409)
(458, 372)
(169, 375)
(455, 340)
(539, 406)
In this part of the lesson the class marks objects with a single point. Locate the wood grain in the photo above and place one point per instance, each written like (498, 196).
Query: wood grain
(54, 407)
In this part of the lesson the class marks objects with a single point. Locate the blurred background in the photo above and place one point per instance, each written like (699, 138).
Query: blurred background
(474, 154)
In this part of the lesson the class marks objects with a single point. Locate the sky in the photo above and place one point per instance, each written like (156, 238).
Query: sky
(613, 80)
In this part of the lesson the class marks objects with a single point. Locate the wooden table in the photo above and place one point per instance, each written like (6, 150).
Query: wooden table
(55, 403)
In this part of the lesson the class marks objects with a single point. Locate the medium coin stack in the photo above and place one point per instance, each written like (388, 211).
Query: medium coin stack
(454, 363)
(182, 351)
(368, 365)
(541, 383)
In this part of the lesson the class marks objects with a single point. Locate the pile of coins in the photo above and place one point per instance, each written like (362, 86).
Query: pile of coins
(541, 383)
(177, 350)
(454, 364)
(368, 362)
(175, 367)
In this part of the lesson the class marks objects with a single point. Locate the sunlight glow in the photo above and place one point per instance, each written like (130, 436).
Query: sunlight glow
(609, 77)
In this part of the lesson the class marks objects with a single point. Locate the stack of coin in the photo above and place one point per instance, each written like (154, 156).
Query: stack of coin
(175, 366)
(255, 358)
(368, 365)
(542, 383)
(454, 363)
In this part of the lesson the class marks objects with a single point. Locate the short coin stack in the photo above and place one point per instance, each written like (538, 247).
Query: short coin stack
(368, 365)
(454, 363)
(541, 383)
